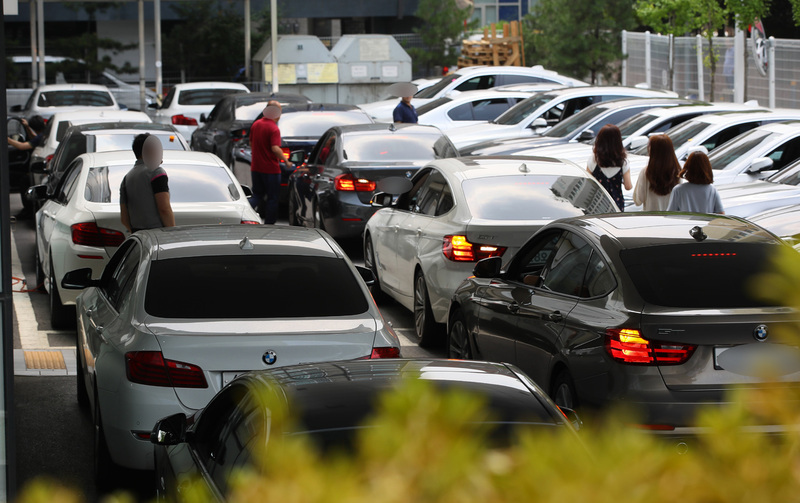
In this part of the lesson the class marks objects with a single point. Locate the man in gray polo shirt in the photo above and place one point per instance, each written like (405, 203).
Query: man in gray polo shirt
(144, 193)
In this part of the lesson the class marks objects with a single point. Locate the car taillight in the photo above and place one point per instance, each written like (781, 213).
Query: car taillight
(182, 120)
(628, 346)
(48, 158)
(287, 152)
(238, 134)
(459, 249)
(89, 234)
(350, 183)
(150, 368)
(387, 352)
(250, 222)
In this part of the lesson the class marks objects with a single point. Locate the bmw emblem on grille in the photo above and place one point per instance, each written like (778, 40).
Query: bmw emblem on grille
(270, 357)
(761, 333)
(408, 174)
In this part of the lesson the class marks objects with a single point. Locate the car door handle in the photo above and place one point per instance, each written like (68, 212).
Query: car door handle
(98, 328)
(555, 317)
(513, 307)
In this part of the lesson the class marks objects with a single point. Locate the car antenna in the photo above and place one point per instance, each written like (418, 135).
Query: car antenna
(392, 127)
(246, 244)
(697, 233)
(523, 168)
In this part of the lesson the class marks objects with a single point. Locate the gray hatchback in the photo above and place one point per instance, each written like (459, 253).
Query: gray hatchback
(655, 311)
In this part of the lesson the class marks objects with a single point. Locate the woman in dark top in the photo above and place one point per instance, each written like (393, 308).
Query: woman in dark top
(609, 163)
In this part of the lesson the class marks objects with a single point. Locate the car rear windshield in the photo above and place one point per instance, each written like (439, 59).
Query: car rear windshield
(535, 197)
(679, 135)
(187, 184)
(699, 275)
(253, 286)
(432, 91)
(314, 124)
(75, 98)
(204, 96)
(427, 107)
(392, 147)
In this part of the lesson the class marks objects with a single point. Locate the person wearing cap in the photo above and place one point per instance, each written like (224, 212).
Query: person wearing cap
(265, 167)
(405, 112)
(144, 193)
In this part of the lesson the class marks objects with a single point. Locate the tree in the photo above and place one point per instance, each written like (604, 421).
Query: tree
(580, 37)
(444, 24)
(713, 16)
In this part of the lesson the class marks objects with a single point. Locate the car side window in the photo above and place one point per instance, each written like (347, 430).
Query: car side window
(599, 279)
(534, 258)
(522, 79)
(553, 114)
(224, 114)
(470, 85)
(461, 113)
(728, 134)
(785, 154)
(617, 117)
(235, 444)
(168, 99)
(487, 110)
(446, 201)
(431, 194)
(408, 201)
(69, 182)
(212, 422)
(121, 279)
(212, 116)
(75, 145)
(567, 268)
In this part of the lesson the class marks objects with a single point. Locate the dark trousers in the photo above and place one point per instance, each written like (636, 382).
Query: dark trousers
(266, 185)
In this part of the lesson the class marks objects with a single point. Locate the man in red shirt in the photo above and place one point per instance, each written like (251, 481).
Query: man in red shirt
(265, 167)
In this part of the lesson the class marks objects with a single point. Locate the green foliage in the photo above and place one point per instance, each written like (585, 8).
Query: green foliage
(441, 33)
(670, 17)
(745, 11)
(578, 37)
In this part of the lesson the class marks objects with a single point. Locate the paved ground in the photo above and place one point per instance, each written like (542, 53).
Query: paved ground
(54, 436)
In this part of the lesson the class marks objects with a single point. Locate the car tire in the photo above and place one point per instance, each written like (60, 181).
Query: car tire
(61, 316)
(372, 265)
(105, 470)
(83, 395)
(459, 346)
(563, 391)
(426, 328)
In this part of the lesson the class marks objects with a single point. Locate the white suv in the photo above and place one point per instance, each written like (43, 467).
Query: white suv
(185, 103)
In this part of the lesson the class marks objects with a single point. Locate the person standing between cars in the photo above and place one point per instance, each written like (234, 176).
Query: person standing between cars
(654, 186)
(265, 167)
(405, 112)
(698, 195)
(144, 192)
(609, 164)
(34, 128)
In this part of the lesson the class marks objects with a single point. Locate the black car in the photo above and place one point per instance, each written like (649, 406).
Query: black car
(333, 190)
(301, 127)
(583, 126)
(652, 310)
(230, 120)
(330, 401)
(19, 176)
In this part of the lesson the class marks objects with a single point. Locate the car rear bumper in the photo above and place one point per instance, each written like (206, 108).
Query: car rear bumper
(344, 215)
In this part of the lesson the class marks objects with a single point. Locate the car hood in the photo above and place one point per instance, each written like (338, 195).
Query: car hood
(469, 135)
(511, 146)
(748, 198)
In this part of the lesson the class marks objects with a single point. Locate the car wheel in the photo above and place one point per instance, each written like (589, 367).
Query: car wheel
(458, 344)
(424, 324)
(83, 395)
(369, 263)
(292, 208)
(104, 468)
(563, 391)
(61, 316)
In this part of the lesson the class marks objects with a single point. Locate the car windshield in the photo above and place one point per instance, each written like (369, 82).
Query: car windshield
(314, 124)
(253, 286)
(249, 111)
(698, 275)
(123, 141)
(679, 135)
(432, 91)
(578, 121)
(427, 107)
(731, 151)
(204, 96)
(790, 175)
(540, 197)
(634, 124)
(523, 109)
(391, 147)
(75, 98)
(187, 184)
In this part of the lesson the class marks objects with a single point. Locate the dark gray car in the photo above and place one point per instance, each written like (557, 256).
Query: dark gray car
(655, 311)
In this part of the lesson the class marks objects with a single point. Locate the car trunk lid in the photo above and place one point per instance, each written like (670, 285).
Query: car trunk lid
(509, 234)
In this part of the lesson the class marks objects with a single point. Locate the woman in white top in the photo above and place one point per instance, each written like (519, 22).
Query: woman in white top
(654, 186)
(609, 163)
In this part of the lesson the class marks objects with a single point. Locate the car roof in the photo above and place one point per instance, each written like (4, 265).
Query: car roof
(72, 87)
(209, 85)
(733, 116)
(98, 114)
(538, 71)
(783, 127)
(121, 127)
(320, 107)
(493, 92)
(476, 167)
(378, 128)
(116, 157)
(639, 101)
(250, 98)
(635, 230)
(593, 90)
(237, 239)
(711, 108)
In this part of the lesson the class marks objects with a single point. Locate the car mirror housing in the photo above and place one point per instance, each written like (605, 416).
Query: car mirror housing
(488, 268)
(297, 157)
(79, 279)
(637, 142)
(202, 117)
(152, 106)
(586, 136)
(248, 192)
(16, 108)
(381, 200)
(37, 193)
(761, 164)
(170, 430)
(38, 167)
(539, 122)
(366, 274)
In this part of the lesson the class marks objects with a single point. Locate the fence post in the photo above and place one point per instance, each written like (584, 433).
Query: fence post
(647, 79)
(624, 79)
(671, 62)
(701, 91)
(771, 70)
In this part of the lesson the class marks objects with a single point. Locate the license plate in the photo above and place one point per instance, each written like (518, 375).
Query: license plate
(755, 359)
(227, 377)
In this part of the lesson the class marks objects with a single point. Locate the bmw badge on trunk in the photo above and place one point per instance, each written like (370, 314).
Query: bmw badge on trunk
(270, 357)
(761, 333)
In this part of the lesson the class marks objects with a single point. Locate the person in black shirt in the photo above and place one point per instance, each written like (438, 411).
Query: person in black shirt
(34, 127)
(405, 112)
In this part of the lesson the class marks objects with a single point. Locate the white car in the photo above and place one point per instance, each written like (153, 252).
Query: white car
(783, 222)
(461, 210)
(49, 99)
(533, 115)
(749, 198)
(471, 79)
(470, 107)
(185, 103)
(179, 313)
(79, 226)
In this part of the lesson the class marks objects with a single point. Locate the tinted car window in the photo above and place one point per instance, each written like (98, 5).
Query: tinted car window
(204, 96)
(395, 147)
(617, 117)
(121, 280)
(68, 185)
(599, 279)
(227, 287)
(547, 197)
(427, 107)
(789, 176)
(475, 83)
(577, 121)
(187, 184)
(432, 91)
(168, 98)
(733, 150)
(314, 124)
(728, 134)
(74, 98)
(523, 109)
(568, 266)
(532, 259)
(486, 110)
(431, 194)
(784, 155)
(680, 135)
(524, 79)
(235, 445)
(461, 113)
(698, 275)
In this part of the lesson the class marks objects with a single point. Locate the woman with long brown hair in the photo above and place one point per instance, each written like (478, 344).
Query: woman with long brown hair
(655, 184)
(609, 163)
(698, 195)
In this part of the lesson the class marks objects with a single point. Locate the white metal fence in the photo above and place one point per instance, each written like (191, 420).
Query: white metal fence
(648, 62)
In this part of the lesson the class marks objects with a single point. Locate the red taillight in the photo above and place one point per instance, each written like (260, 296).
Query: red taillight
(628, 346)
(48, 158)
(459, 249)
(238, 134)
(388, 352)
(655, 427)
(287, 152)
(349, 183)
(182, 120)
(250, 222)
(150, 368)
(89, 234)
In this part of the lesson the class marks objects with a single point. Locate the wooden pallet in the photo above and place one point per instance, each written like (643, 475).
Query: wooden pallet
(505, 50)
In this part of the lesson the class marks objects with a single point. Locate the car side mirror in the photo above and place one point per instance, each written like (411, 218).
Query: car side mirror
(586, 135)
(152, 106)
(16, 108)
(297, 157)
(539, 122)
(366, 274)
(202, 117)
(760, 164)
(79, 279)
(37, 193)
(38, 167)
(637, 142)
(248, 192)
(488, 268)
(573, 418)
(170, 430)
(381, 200)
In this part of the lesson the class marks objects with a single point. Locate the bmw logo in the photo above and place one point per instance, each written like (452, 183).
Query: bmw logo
(408, 174)
(270, 357)
(761, 333)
